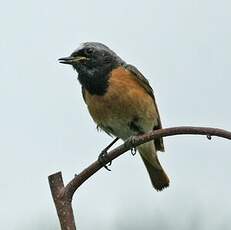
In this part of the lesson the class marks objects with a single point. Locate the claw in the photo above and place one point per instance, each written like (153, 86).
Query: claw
(106, 167)
(103, 158)
(133, 151)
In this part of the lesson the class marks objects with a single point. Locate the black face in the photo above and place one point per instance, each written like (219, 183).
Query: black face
(93, 62)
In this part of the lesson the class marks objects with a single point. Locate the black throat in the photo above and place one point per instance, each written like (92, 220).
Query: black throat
(96, 85)
(95, 82)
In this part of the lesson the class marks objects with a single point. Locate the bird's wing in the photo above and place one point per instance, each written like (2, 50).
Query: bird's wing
(145, 84)
(83, 93)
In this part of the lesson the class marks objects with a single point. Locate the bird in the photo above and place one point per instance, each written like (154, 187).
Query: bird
(120, 100)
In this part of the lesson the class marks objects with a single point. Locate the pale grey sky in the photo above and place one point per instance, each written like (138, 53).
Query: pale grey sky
(182, 47)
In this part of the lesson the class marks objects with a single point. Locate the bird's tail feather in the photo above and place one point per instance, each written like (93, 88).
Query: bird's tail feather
(157, 174)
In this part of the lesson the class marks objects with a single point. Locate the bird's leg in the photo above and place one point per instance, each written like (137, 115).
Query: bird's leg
(102, 158)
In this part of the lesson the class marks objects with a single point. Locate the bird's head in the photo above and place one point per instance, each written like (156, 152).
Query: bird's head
(92, 58)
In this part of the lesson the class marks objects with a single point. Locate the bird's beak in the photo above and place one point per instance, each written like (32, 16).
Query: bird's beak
(71, 60)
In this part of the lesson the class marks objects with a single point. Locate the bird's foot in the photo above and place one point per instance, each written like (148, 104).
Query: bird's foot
(133, 151)
(103, 159)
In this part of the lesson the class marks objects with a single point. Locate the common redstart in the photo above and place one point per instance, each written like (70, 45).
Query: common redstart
(120, 100)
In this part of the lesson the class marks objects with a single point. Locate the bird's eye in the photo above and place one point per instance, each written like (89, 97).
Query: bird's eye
(89, 51)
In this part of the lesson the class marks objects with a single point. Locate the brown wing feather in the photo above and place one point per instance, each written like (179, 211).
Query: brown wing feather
(144, 82)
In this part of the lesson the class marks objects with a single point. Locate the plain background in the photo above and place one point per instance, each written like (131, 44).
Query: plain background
(182, 47)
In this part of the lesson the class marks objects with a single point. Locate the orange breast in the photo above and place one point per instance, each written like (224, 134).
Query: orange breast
(125, 99)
